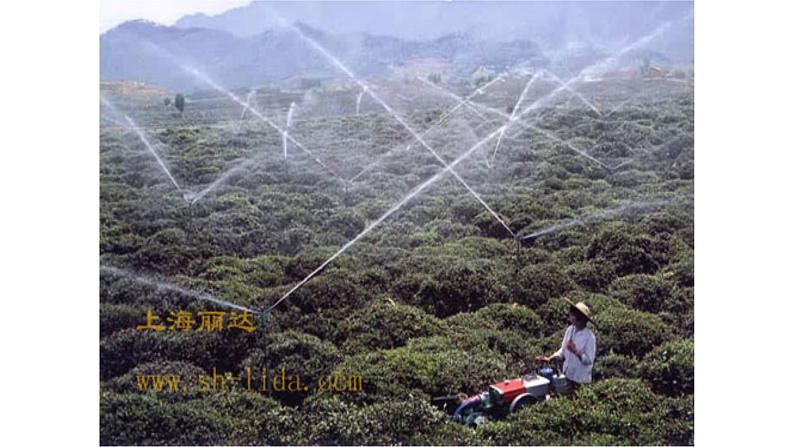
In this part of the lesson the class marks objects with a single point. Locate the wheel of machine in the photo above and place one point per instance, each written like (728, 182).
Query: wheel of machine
(521, 401)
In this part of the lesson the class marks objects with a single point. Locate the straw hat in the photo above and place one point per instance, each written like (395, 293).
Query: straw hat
(582, 308)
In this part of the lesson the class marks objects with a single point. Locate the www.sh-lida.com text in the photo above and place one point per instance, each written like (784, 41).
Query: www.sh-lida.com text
(262, 380)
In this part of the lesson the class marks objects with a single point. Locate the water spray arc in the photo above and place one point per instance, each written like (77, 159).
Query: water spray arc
(358, 102)
(427, 183)
(631, 208)
(190, 197)
(154, 152)
(145, 141)
(286, 130)
(576, 93)
(607, 62)
(221, 179)
(336, 62)
(458, 160)
(163, 285)
(462, 101)
(248, 100)
(568, 145)
(262, 118)
(513, 118)
(513, 113)
(441, 120)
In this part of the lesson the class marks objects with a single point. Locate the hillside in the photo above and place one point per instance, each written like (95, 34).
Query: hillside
(436, 298)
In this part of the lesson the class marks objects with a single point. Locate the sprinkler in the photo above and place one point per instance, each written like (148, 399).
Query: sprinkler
(264, 317)
(189, 196)
(517, 240)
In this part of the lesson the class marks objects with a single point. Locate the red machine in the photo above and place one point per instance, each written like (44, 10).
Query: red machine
(505, 397)
(509, 389)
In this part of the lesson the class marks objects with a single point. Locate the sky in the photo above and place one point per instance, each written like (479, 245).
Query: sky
(114, 12)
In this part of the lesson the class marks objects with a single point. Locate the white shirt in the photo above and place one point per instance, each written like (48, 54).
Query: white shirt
(580, 371)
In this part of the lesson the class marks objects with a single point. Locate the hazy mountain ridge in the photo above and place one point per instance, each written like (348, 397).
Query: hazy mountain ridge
(250, 45)
(149, 52)
(552, 23)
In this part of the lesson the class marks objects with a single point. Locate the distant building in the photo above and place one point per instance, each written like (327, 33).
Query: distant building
(655, 72)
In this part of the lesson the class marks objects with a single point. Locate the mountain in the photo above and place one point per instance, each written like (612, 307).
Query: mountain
(148, 52)
(552, 24)
(253, 45)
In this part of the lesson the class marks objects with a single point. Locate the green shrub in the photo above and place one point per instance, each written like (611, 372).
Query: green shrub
(424, 368)
(139, 419)
(670, 368)
(664, 222)
(407, 286)
(460, 287)
(683, 272)
(629, 332)
(649, 293)
(331, 291)
(118, 290)
(500, 316)
(298, 354)
(166, 252)
(115, 317)
(469, 308)
(253, 419)
(384, 325)
(611, 366)
(123, 350)
(330, 420)
(510, 330)
(627, 249)
(676, 423)
(398, 421)
(447, 433)
(536, 284)
(617, 411)
(594, 275)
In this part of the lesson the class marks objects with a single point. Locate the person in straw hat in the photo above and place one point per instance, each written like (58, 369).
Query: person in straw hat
(578, 347)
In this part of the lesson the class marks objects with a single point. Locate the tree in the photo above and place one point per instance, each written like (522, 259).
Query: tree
(167, 101)
(179, 102)
(482, 76)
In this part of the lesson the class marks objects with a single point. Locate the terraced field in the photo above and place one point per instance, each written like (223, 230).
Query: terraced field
(437, 296)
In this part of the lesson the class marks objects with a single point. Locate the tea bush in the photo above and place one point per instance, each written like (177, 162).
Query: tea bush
(649, 293)
(617, 411)
(670, 368)
(630, 332)
(439, 299)
(385, 325)
(536, 284)
(139, 419)
(425, 367)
